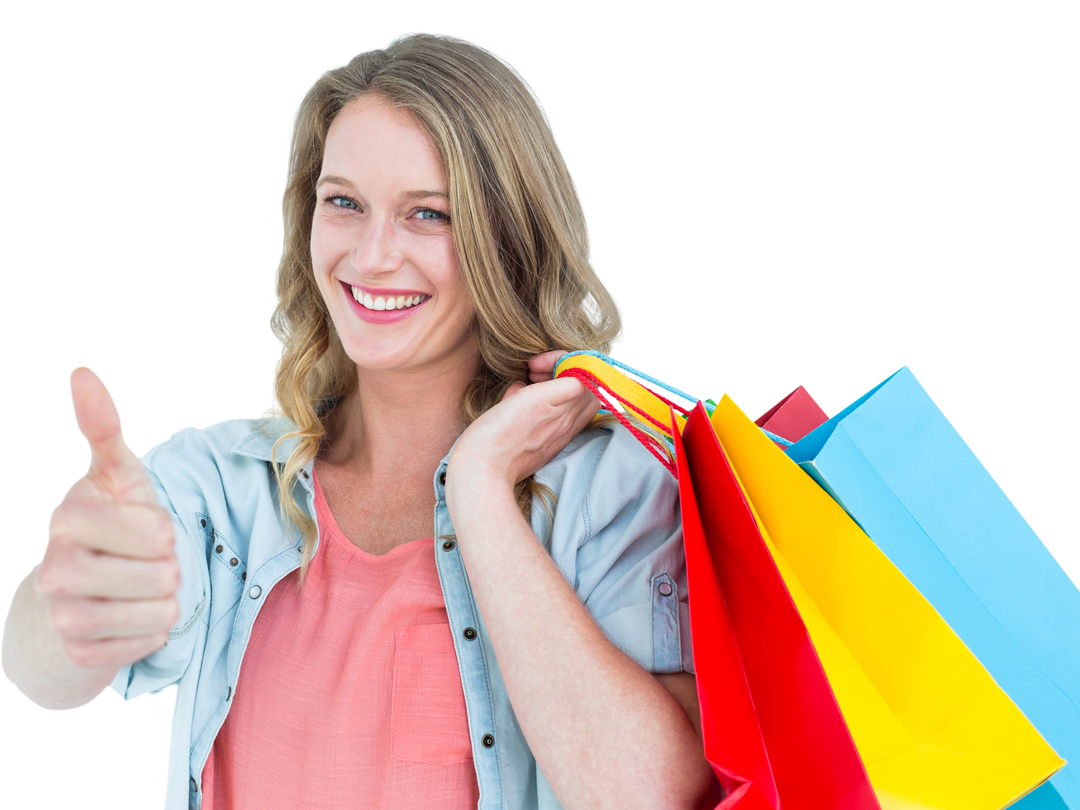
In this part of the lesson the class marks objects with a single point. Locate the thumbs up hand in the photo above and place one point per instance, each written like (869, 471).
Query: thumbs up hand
(110, 573)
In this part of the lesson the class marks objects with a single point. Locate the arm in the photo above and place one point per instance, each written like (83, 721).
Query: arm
(104, 594)
(32, 657)
(604, 731)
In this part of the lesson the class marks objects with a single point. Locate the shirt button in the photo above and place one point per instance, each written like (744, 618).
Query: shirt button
(219, 549)
(448, 545)
(194, 785)
(255, 592)
(442, 478)
(664, 588)
(469, 634)
(487, 741)
(228, 695)
(235, 561)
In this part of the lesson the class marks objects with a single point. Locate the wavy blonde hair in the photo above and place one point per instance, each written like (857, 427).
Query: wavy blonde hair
(518, 230)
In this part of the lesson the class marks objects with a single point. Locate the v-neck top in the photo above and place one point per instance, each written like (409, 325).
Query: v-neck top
(349, 695)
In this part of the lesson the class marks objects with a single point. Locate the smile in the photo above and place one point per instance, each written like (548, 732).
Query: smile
(380, 303)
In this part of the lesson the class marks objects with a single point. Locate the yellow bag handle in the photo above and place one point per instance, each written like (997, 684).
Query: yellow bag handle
(644, 402)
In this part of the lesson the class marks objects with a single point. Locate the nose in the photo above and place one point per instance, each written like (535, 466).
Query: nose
(376, 251)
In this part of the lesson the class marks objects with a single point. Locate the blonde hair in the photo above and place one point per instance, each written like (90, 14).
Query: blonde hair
(518, 230)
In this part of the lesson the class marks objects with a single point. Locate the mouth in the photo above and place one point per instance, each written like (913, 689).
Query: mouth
(383, 306)
(386, 301)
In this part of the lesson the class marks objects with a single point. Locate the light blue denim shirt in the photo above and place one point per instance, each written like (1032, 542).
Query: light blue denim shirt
(614, 533)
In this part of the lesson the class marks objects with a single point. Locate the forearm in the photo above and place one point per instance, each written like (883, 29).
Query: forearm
(34, 658)
(603, 730)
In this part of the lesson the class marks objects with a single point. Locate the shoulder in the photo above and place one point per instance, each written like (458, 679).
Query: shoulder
(606, 478)
(220, 452)
(603, 459)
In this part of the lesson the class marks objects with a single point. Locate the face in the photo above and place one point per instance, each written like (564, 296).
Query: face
(382, 246)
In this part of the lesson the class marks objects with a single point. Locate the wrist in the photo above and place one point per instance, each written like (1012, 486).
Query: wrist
(477, 494)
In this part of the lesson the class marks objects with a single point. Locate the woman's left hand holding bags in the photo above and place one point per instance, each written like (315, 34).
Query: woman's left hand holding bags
(523, 432)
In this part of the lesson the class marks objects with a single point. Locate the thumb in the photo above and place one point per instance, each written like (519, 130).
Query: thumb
(112, 464)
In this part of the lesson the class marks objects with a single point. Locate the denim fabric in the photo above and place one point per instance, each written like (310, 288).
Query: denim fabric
(614, 534)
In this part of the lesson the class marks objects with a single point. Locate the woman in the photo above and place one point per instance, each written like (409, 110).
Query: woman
(435, 253)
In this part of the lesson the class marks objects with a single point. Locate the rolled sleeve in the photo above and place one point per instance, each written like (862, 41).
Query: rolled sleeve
(616, 535)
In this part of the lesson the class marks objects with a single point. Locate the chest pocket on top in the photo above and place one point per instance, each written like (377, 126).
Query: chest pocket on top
(227, 574)
(428, 720)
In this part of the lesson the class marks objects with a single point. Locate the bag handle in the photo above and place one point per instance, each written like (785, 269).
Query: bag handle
(600, 373)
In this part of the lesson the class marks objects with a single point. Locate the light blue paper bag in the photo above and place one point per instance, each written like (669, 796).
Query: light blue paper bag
(903, 473)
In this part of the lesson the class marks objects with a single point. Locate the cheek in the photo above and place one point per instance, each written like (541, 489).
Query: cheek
(450, 278)
(319, 245)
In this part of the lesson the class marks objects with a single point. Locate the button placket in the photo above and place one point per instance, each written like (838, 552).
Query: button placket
(468, 643)
(666, 634)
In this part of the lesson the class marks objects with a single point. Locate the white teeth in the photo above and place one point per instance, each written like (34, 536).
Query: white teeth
(390, 302)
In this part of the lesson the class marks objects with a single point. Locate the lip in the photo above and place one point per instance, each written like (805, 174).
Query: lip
(383, 316)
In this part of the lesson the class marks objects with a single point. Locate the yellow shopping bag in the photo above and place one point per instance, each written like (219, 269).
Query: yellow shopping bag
(933, 728)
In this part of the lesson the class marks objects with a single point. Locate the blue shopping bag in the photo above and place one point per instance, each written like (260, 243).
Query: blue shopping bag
(894, 462)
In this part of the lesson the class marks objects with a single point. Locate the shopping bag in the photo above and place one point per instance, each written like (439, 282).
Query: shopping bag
(792, 417)
(931, 725)
(771, 727)
(899, 468)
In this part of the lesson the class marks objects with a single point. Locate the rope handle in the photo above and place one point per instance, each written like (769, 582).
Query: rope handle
(600, 373)
(615, 364)
(662, 453)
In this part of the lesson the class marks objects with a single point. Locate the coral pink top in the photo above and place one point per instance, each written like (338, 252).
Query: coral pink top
(349, 695)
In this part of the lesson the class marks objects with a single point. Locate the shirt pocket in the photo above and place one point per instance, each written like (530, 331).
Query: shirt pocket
(428, 721)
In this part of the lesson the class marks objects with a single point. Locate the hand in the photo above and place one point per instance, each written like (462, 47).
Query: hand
(528, 428)
(110, 574)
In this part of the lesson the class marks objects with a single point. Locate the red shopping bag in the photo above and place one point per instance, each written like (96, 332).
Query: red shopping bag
(772, 729)
(792, 417)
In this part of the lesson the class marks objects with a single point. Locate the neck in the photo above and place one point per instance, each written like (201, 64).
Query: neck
(399, 420)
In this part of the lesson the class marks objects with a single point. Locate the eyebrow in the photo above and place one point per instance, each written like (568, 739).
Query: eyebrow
(409, 195)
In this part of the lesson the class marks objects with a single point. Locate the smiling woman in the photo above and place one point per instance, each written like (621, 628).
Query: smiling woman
(528, 649)
(449, 252)
(518, 237)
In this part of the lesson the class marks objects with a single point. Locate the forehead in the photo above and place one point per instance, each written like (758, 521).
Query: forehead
(371, 141)
(369, 122)
(376, 111)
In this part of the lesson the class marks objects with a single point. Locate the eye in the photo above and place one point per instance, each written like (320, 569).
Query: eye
(431, 215)
(341, 201)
